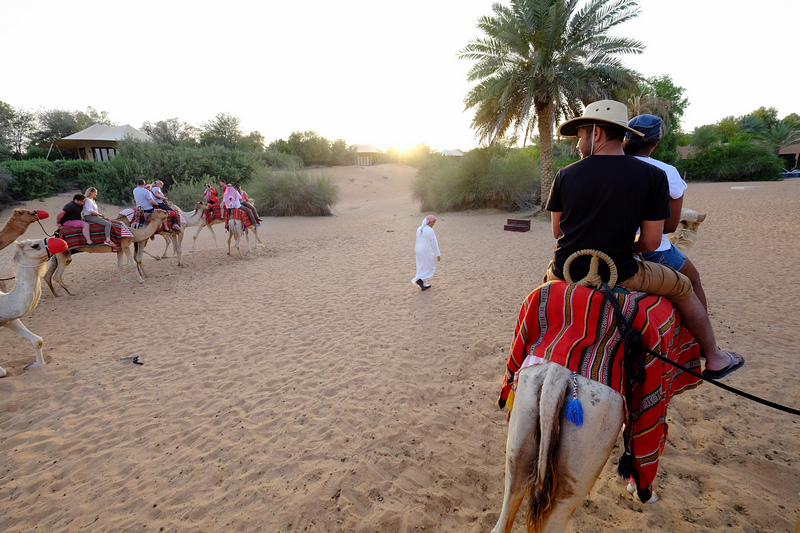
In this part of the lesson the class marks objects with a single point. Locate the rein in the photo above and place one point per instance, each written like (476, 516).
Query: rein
(634, 342)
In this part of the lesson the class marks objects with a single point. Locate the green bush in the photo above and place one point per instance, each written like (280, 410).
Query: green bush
(737, 161)
(284, 194)
(185, 194)
(109, 177)
(68, 171)
(489, 177)
(278, 160)
(35, 178)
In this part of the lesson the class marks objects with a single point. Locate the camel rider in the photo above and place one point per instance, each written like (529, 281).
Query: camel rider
(144, 198)
(156, 190)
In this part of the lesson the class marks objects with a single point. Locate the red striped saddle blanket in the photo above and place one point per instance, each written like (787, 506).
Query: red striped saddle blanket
(214, 212)
(576, 328)
(75, 238)
(238, 214)
(130, 214)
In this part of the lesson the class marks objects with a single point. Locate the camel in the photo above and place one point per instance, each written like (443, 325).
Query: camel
(565, 459)
(235, 230)
(18, 224)
(685, 235)
(176, 238)
(59, 262)
(30, 260)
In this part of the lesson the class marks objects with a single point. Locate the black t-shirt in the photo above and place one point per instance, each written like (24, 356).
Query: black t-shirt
(72, 211)
(603, 200)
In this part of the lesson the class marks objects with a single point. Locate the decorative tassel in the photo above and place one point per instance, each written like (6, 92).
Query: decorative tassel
(574, 412)
(625, 467)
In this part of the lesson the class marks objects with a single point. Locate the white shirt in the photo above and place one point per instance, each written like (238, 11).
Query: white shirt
(676, 188)
(89, 206)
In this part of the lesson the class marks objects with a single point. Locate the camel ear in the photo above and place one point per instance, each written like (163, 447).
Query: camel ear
(701, 217)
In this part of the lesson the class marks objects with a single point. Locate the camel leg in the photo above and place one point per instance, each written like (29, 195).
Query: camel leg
(214, 235)
(196, 233)
(17, 327)
(258, 240)
(177, 241)
(52, 263)
(137, 257)
(62, 260)
(168, 239)
(585, 449)
(120, 263)
(522, 447)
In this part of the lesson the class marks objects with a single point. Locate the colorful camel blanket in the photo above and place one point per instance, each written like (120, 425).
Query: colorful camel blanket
(130, 213)
(576, 328)
(75, 238)
(238, 214)
(214, 212)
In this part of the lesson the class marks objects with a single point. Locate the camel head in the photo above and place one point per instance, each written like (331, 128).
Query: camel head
(201, 206)
(159, 214)
(37, 251)
(690, 219)
(28, 216)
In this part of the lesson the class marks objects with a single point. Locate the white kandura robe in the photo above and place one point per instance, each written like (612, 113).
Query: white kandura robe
(427, 249)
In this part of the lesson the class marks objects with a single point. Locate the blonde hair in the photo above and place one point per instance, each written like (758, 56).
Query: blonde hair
(90, 190)
(158, 183)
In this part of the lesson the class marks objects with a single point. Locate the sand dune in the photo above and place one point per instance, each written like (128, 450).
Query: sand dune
(309, 387)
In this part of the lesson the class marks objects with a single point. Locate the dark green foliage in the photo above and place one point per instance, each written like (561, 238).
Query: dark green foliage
(35, 178)
(283, 194)
(5, 180)
(187, 193)
(70, 170)
(737, 161)
(279, 160)
(110, 179)
(484, 178)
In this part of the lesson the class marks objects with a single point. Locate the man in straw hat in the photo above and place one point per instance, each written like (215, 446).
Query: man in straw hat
(602, 200)
(641, 146)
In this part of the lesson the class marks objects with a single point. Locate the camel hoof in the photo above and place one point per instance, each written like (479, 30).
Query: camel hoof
(3, 373)
(33, 365)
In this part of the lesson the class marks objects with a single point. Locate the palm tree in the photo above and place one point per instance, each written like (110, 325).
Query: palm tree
(642, 102)
(544, 59)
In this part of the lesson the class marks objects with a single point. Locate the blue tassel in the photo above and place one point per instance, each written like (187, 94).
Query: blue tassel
(574, 411)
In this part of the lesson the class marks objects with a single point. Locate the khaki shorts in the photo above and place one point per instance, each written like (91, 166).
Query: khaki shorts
(652, 278)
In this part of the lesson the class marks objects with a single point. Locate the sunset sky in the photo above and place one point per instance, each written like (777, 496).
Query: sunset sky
(383, 73)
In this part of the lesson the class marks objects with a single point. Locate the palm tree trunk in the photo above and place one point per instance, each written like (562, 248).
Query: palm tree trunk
(544, 116)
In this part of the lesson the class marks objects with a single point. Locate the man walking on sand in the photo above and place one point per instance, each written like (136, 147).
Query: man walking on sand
(426, 249)
(600, 201)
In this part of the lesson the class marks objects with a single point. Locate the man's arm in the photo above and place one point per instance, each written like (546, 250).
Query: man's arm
(59, 216)
(152, 199)
(649, 236)
(555, 220)
(675, 205)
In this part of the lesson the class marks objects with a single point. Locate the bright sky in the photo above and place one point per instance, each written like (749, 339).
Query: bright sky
(366, 71)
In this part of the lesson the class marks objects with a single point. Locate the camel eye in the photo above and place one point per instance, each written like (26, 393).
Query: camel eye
(35, 246)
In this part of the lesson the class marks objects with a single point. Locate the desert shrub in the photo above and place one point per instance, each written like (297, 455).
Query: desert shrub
(68, 171)
(284, 194)
(279, 160)
(35, 178)
(185, 194)
(112, 180)
(497, 178)
(737, 161)
(5, 180)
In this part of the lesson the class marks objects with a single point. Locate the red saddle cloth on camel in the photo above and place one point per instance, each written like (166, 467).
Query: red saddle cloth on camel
(74, 236)
(238, 214)
(214, 212)
(167, 224)
(575, 327)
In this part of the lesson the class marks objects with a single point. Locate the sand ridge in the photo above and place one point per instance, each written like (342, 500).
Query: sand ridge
(309, 387)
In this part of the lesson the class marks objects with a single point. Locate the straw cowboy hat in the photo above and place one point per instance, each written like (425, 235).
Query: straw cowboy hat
(600, 112)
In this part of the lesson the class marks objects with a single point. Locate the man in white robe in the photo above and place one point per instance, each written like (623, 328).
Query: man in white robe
(427, 252)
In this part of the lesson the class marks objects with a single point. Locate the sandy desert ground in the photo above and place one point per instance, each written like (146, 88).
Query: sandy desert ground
(310, 387)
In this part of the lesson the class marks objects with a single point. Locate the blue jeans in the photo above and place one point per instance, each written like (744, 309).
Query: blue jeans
(672, 258)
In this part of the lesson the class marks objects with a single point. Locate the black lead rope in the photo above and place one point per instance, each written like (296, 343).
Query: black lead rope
(634, 342)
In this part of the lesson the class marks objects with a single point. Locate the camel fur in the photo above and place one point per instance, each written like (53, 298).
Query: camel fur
(685, 234)
(59, 262)
(30, 260)
(553, 459)
(202, 223)
(235, 231)
(16, 226)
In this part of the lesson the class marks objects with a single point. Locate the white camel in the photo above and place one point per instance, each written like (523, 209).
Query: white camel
(235, 231)
(59, 262)
(203, 223)
(555, 459)
(30, 260)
